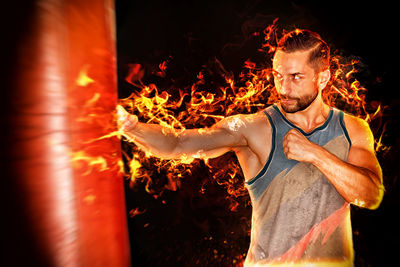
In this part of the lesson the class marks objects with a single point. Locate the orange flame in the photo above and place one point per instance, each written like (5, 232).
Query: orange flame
(83, 78)
(135, 212)
(97, 162)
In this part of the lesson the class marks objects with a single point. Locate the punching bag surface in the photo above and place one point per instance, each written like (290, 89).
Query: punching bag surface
(92, 97)
(64, 177)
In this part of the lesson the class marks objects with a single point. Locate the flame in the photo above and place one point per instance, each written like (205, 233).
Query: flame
(135, 212)
(134, 166)
(93, 100)
(154, 106)
(270, 36)
(89, 199)
(97, 162)
(83, 78)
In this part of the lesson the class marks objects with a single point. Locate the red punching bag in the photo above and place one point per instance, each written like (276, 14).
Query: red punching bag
(65, 182)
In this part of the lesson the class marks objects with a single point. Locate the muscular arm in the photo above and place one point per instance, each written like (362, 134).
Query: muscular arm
(198, 143)
(359, 179)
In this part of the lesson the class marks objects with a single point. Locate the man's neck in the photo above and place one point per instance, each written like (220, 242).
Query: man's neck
(310, 118)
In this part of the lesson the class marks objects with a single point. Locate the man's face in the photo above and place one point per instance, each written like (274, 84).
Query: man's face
(295, 80)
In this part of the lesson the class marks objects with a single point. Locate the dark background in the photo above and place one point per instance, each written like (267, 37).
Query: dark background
(186, 227)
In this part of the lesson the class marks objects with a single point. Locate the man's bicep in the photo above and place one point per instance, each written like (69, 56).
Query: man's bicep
(230, 131)
(210, 142)
(362, 150)
(364, 158)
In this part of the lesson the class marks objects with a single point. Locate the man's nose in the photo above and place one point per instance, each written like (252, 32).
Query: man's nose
(285, 86)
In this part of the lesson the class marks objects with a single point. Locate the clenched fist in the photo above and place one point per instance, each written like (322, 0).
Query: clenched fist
(126, 122)
(297, 147)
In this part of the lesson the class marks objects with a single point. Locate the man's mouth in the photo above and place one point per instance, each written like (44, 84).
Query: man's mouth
(285, 100)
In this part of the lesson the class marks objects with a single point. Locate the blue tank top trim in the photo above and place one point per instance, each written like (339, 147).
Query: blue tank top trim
(341, 121)
(301, 130)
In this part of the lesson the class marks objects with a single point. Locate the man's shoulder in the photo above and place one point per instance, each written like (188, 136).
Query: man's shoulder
(256, 119)
(358, 129)
(354, 122)
(247, 124)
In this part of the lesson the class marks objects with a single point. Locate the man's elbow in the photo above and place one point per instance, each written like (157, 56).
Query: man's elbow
(373, 201)
(375, 194)
(378, 199)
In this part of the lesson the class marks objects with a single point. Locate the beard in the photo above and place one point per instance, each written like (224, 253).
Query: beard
(298, 104)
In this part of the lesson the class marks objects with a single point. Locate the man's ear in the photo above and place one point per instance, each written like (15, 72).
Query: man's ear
(323, 78)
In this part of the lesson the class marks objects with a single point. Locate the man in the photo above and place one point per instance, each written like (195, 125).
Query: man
(304, 162)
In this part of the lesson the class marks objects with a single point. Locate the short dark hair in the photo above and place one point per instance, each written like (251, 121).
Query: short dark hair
(304, 40)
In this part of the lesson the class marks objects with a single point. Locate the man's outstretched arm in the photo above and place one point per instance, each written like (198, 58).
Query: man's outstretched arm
(359, 179)
(167, 143)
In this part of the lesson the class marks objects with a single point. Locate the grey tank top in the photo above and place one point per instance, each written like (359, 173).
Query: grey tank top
(298, 215)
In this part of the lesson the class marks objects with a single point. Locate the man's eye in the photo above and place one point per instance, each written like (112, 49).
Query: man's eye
(296, 77)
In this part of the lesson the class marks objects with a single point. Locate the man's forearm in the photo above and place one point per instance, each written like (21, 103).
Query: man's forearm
(357, 185)
(168, 143)
(155, 139)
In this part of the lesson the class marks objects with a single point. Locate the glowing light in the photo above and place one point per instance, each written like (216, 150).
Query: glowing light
(89, 199)
(134, 166)
(136, 212)
(93, 100)
(83, 78)
(235, 123)
(359, 203)
(92, 161)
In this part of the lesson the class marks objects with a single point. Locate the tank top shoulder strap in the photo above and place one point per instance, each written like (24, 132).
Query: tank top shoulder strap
(339, 119)
(277, 119)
